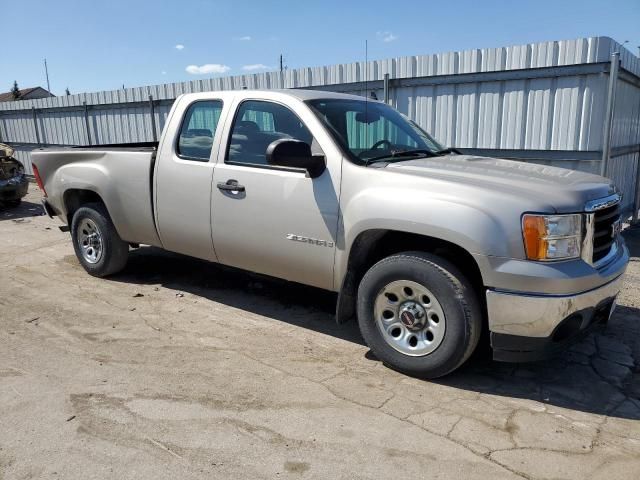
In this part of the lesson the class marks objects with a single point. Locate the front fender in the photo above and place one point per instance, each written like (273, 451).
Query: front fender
(477, 230)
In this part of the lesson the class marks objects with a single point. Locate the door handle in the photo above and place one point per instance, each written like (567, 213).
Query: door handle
(231, 186)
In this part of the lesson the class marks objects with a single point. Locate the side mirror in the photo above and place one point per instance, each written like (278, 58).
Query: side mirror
(287, 152)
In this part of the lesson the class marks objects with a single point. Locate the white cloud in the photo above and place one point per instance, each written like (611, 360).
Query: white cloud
(164, 72)
(246, 38)
(207, 68)
(179, 47)
(256, 66)
(386, 36)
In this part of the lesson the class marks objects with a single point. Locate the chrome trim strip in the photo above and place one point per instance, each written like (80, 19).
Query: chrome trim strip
(587, 242)
(602, 203)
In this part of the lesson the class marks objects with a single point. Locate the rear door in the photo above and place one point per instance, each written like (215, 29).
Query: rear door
(282, 223)
(184, 173)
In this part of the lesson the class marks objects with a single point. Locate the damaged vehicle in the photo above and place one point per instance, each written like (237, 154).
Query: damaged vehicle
(427, 247)
(13, 182)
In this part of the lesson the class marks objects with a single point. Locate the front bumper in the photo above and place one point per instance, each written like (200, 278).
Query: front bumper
(532, 327)
(14, 188)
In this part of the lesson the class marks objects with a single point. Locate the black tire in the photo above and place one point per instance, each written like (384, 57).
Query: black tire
(458, 300)
(115, 252)
(14, 203)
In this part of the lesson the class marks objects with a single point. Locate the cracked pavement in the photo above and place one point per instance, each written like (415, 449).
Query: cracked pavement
(181, 369)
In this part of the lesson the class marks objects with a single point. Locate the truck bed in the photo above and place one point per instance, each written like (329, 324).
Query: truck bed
(121, 175)
(133, 146)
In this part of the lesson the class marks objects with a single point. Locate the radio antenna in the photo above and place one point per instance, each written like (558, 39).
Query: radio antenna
(366, 93)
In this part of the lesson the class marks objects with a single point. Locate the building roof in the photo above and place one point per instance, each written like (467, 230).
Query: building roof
(24, 93)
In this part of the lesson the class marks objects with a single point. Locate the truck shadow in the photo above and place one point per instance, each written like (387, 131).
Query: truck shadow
(24, 210)
(293, 303)
(600, 375)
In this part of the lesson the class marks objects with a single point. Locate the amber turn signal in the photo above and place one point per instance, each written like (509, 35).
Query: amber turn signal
(535, 232)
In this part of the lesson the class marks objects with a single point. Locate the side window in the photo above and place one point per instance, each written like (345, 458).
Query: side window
(198, 129)
(257, 124)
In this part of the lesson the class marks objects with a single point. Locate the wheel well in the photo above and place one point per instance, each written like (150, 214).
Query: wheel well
(372, 246)
(74, 199)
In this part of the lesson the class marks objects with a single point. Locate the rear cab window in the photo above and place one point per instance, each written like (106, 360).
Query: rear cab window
(198, 129)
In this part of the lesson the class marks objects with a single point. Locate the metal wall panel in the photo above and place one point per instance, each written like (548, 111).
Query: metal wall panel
(626, 122)
(61, 127)
(23, 154)
(490, 98)
(544, 54)
(623, 170)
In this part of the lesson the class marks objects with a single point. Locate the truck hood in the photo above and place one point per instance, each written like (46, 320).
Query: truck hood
(562, 189)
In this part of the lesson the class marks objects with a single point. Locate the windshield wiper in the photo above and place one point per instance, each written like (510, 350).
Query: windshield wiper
(444, 151)
(400, 153)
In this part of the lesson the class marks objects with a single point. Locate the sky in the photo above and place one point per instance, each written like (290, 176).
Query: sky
(102, 45)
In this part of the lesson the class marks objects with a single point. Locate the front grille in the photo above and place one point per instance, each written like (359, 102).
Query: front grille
(605, 228)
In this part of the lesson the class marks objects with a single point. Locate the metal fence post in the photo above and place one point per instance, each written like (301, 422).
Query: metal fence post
(152, 109)
(386, 88)
(86, 122)
(608, 119)
(35, 125)
(636, 201)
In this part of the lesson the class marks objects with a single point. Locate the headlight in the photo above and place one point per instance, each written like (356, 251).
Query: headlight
(552, 237)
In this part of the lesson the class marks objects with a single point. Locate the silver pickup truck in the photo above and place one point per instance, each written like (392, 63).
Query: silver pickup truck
(427, 247)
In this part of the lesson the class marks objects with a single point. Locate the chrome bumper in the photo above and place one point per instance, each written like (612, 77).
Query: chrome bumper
(539, 315)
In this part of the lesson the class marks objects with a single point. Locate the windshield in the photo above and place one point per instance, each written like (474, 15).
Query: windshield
(373, 130)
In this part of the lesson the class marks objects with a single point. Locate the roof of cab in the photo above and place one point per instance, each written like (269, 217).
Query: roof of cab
(300, 94)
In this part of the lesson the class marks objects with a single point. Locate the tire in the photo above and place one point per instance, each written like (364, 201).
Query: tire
(441, 297)
(14, 203)
(109, 253)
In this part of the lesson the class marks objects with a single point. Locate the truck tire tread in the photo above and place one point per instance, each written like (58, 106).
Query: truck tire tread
(464, 295)
(116, 251)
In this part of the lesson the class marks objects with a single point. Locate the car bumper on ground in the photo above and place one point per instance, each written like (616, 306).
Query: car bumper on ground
(13, 189)
(528, 327)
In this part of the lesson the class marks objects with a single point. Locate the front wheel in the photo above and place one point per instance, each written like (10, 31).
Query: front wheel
(96, 242)
(419, 314)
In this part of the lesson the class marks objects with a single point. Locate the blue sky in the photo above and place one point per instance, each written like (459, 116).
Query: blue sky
(101, 45)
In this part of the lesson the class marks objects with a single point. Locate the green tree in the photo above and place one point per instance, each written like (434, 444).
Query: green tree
(15, 91)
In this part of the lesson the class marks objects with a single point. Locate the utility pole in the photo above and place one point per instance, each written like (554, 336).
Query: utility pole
(281, 72)
(46, 72)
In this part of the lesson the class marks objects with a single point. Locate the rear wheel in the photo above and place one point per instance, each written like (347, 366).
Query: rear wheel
(96, 242)
(419, 314)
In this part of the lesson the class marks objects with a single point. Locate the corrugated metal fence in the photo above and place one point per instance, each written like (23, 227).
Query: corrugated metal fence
(544, 102)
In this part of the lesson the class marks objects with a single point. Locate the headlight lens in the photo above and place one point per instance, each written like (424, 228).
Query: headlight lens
(552, 237)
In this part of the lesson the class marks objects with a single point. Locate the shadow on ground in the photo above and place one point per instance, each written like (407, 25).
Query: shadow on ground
(24, 210)
(598, 375)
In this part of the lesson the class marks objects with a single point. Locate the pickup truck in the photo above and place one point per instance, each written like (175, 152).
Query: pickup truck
(431, 250)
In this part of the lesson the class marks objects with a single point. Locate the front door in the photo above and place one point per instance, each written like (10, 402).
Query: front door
(278, 221)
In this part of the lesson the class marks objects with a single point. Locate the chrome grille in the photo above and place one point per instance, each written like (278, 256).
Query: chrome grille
(604, 223)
